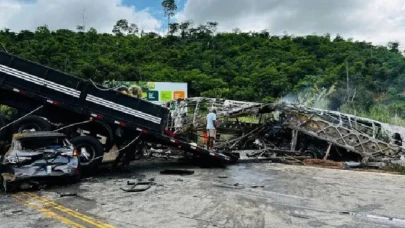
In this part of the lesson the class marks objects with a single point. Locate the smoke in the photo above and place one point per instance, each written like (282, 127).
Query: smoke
(310, 97)
(291, 98)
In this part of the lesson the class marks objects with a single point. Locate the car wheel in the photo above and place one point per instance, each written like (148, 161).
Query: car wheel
(6, 186)
(3, 183)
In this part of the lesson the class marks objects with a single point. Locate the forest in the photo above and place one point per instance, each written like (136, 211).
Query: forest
(316, 70)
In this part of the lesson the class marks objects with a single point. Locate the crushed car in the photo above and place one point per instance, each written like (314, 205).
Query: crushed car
(35, 159)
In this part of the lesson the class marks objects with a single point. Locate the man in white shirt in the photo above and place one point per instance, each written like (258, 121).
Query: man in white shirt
(211, 128)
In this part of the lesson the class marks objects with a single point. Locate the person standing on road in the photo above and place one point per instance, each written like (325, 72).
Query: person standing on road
(211, 128)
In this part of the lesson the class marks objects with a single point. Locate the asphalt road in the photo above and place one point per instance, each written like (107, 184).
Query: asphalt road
(245, 195)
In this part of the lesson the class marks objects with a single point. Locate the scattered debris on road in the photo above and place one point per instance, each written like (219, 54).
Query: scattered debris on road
(134, 186)
(68, 194)
(177, 172)
(378, 219)
(257, 186)
(16, 211)
(231, 186)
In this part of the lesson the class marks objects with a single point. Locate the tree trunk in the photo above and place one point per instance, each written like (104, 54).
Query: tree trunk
(347, 81)
(168, 24)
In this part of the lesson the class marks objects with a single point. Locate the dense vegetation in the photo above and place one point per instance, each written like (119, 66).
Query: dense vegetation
(322, 71)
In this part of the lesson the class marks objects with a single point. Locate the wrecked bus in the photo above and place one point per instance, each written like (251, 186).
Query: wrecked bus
(269, 129)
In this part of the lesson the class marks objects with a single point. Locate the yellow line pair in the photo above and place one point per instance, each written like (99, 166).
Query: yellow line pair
(61, 208)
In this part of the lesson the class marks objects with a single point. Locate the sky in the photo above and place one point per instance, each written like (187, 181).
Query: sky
(377, 21)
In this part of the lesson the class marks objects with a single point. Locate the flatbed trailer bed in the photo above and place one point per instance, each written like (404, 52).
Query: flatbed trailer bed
(66, 99)
(187, 147)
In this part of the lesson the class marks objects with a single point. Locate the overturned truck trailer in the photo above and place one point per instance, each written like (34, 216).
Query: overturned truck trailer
(295, 129)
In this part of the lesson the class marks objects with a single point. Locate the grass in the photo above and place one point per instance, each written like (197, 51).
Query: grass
(378, 112)
(396, 168)
(246, 119)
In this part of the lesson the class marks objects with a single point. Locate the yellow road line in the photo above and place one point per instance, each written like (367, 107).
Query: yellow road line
(49, 213)
(71, 212)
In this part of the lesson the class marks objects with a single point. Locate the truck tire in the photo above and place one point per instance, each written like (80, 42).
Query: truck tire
(31, 122)
(93, 149)
(98, 127)
(311, 154)
(3, 133)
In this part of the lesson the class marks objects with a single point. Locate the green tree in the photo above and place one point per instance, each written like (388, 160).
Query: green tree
(169, 8)
(254, 66)
(121, 27)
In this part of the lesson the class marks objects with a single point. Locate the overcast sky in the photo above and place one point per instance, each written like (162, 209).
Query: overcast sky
(378, 21)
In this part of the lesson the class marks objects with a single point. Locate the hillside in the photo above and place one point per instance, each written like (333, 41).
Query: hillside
(324, 71)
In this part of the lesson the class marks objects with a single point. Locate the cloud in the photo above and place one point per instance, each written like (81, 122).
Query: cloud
(376, 21)
(372, 20)
(100, 14)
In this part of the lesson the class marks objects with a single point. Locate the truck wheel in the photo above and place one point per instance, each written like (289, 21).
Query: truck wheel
(98, 127)
(140, 150)
(310, 153)
(3, 133)
(31, 123)
(91, 150)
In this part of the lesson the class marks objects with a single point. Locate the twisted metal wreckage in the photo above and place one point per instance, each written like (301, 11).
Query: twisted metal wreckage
(285, 129)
